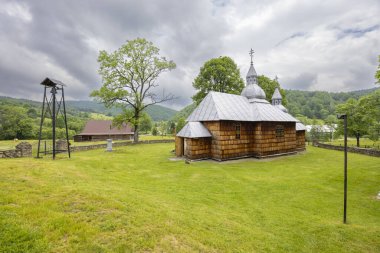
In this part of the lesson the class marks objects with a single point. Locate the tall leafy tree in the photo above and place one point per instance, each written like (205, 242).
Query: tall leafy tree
(14, 124)
(145, 122)
(357, 125)
(377, 74)
(163, 127)
(171, 127)
(154, 130)
(129, 76)
(181, 122)
(331, 121)
(218, 74)
(371, 104)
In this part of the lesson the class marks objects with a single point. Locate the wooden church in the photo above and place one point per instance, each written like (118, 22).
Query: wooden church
(226, 126)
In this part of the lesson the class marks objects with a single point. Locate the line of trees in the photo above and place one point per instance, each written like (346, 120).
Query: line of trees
(21, 121)
(363, 117)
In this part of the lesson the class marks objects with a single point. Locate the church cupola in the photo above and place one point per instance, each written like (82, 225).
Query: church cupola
(252, 90)
(277, 100)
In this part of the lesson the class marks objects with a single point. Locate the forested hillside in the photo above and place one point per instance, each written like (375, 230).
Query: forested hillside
(319, 104)
(20, 118)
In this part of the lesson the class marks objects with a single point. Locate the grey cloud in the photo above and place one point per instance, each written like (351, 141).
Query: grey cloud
(303, 81)
(63, 38)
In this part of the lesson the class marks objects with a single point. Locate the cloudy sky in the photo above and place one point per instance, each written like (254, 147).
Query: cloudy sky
(310, 45)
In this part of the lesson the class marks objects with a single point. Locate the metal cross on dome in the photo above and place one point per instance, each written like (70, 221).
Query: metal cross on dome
(251, 52)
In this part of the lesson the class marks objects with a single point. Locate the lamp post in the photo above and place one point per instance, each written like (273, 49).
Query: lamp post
(344, 117)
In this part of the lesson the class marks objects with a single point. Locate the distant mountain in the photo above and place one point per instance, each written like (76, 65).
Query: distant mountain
(185, 112)
(319, 104)
(157, 112)
(312, 104)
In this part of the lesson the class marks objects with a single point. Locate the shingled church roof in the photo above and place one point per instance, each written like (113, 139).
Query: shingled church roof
(194, 130)
(300, 126)
(223, 106)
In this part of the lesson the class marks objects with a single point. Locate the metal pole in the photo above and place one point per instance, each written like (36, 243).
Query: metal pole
(42, 119)
(53, 119)
(345, 170)
(64, 112)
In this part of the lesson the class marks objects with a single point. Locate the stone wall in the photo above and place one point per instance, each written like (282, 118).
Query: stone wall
(364, 151)
(23, 149)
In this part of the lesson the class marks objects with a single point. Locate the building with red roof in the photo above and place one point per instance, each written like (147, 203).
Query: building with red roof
(97, 130)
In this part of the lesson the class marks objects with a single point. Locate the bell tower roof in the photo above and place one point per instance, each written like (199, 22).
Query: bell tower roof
(277, 100)
(276, 94)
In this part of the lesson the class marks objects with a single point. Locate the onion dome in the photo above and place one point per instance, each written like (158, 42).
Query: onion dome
(252, 90)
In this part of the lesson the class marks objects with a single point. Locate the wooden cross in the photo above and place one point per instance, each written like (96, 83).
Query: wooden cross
(251, 52)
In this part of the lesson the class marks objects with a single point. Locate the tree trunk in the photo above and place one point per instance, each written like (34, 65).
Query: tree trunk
(358, 140)
(136, 126)
(136, 134)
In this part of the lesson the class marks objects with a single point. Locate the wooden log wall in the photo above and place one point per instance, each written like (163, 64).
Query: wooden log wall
(301, 140)
(198, 148)
(225, 145)
(214, 128)
(231, 147)
(257, 139)
(179, 146)
(268, 143)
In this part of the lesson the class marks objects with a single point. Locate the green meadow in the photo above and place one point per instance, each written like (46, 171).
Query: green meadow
(351, 142)
(135, 199)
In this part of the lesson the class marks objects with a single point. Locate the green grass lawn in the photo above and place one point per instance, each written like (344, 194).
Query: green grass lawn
(135, 200)
(157, 137)
(364, 142)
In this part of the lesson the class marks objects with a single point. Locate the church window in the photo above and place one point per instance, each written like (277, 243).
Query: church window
(280, 131)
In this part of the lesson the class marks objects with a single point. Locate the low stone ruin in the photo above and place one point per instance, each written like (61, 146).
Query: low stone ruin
(23, 149)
